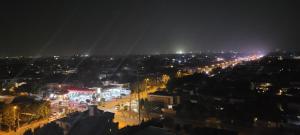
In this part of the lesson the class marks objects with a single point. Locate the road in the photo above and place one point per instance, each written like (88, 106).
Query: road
(209, 68)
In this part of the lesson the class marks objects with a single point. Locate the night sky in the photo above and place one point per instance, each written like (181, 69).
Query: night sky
(68, 27)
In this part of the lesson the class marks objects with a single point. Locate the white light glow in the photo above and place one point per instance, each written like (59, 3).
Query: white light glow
(179, 52)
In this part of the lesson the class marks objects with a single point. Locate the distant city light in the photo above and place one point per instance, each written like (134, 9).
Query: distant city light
(296, 57)
(220, 59)
(179, 52)
(98, 90)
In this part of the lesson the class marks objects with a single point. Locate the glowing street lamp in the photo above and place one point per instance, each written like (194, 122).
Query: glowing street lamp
(15, 115)
(146, 82)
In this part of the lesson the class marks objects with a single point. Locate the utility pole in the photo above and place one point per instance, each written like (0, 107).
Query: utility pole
(16, 118)
(138, 89)
(0, 121)
(130, 101)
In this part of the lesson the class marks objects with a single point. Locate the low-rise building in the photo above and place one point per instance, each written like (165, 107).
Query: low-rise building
(168, 99)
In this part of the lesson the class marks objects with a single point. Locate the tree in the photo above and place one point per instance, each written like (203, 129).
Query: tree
(37, 110)
(42, 109)
(142, 102)
(28, 109)
(137, 86)
(148, 107)
(45, 109)
(9, 116)
(30, 88)
(165, 79)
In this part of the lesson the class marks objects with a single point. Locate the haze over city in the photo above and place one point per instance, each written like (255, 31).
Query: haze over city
(69, 27)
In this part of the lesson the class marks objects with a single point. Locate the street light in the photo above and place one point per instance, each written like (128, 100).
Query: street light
(146, 81)
(15, 116)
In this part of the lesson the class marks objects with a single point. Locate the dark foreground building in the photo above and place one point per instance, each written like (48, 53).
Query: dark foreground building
(91, 122)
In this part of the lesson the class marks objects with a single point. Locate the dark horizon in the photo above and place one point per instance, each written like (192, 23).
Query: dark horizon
(207, 52)
(35, 28)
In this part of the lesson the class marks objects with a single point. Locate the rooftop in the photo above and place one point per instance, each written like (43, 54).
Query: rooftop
(162, 93)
